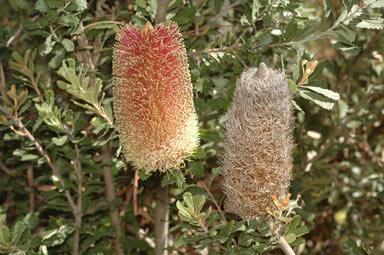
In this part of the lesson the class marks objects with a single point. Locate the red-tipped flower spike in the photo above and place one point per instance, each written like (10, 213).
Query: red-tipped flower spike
(153, 104)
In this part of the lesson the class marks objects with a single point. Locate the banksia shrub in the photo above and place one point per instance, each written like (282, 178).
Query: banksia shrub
(153, 105)
(257, 156)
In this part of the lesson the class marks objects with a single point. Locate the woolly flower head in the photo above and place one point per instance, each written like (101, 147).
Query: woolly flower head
(153, 104)
(257, 158)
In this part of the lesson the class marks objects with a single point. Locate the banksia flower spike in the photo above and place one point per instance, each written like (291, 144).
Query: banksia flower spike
(153, 104)
(257, 158)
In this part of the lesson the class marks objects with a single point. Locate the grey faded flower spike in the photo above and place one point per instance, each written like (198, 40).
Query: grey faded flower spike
(257, 157)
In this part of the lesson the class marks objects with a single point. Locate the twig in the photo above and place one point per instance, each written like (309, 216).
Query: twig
(30, 185)
(161, 222)
(79, 215)
(6, 169)
(215, 202)
(111, 195)
(135, 188)
(223, 49)
(241, 61)
(102, 22)
(285, 247)
(18, 32)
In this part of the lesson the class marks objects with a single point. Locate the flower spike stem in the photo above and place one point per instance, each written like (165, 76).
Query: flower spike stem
(161, 221)
(285, 247)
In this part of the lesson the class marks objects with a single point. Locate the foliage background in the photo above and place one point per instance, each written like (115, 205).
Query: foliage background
(338, 161)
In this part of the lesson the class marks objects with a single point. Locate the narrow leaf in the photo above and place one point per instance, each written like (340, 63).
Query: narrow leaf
(325, 92)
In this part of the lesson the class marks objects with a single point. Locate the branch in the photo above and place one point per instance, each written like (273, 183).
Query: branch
(162, 211)
(284, 246)
(161, 12)
(40, 149)
(111, 195)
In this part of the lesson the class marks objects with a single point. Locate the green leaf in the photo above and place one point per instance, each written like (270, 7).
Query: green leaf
(199, 153)
(183, 212)
(16, 56)
(54, 4)
(293, 225)
(350, 248)
(188, 199)
(218, 5)
(371, 24)
(325, 92)
(331, 6)
(244, 20)
(18, 230)
(141, 3)
(374, 4)
(225, 232)
(290, 238)
(300, 231)
(255, 9)
(60, 141)
(28, 157)
(4, 235)
(22, 4)
(41, 6)
(143, 176)
(204, 243)
(292, 86)
(81, 5)
(352, 14)
(297, 107)
(341, 17)
(346, 36)
(196, 168)
(351, 50)
(68, 45)
(56, 60)
(48, 46)
(317, 99)
(198, 203)
(69, 20)
(56, 236)
(185, 16)
(175, 177)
